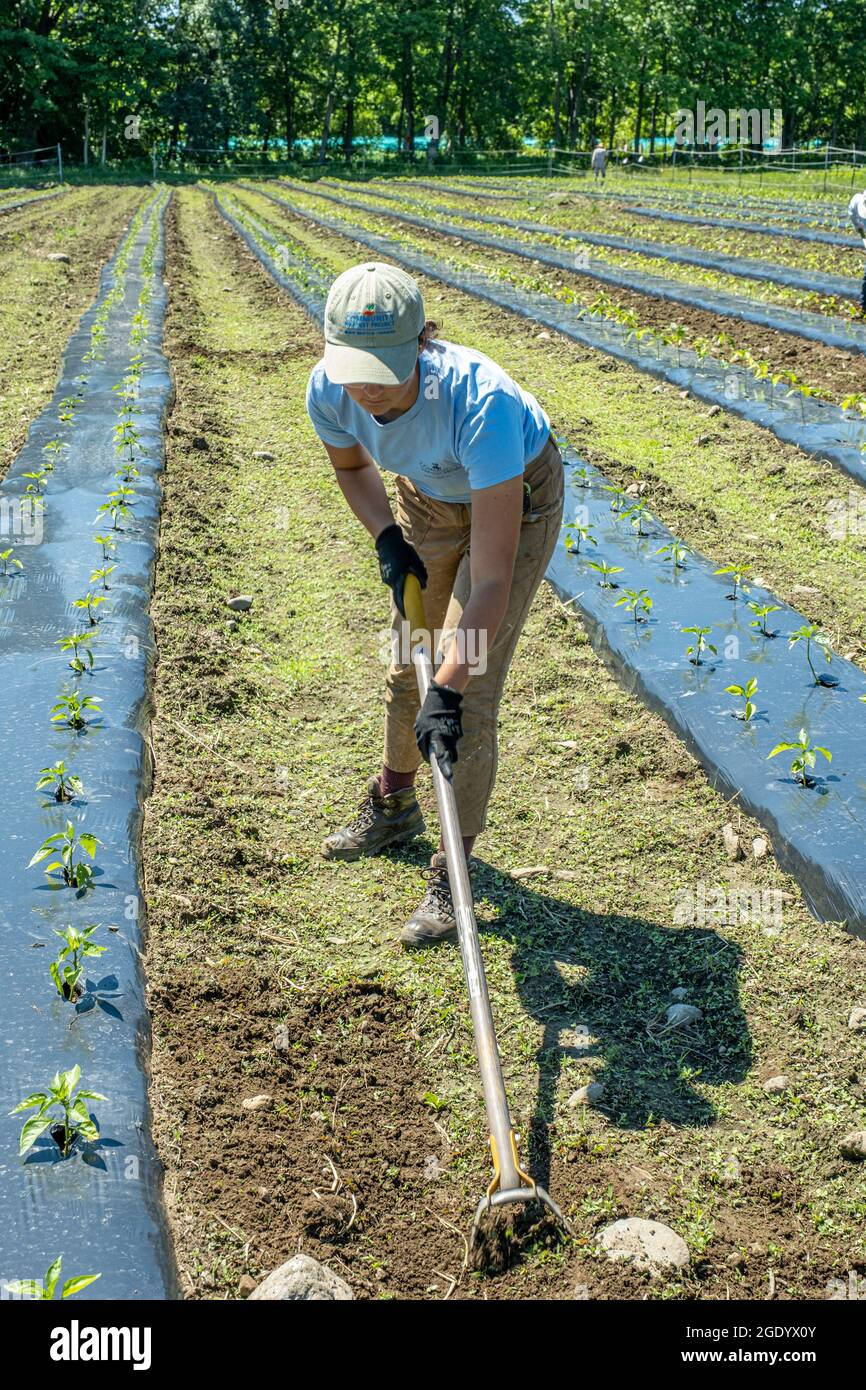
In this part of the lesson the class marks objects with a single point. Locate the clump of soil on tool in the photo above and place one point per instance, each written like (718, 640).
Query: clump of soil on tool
(506, 1233)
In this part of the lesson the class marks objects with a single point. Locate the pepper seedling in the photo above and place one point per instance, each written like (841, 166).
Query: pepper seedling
(75, 1122)
(745, 692)
(79, 946)
(638, 603)
(7, 559)
(71, 709)
(701, 645)
(103, 575)
(637, 515)
(738, 574)
(583, 533)
(89, 605)
(605, 570)
(115, 511)
(44, 1288)
(676, 552)
(806, 752)
(78, 642)
(108, 546)
(76, 873)
(810, 633)
(762, 611)
(64, 785)
(37, 482)
(618, 496)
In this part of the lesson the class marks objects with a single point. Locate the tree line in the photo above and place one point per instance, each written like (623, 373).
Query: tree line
(126, 77)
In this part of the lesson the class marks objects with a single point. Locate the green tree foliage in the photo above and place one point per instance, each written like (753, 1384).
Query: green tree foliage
(120, 78)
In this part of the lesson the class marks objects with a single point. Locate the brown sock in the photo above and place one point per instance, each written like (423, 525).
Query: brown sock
(390, 781)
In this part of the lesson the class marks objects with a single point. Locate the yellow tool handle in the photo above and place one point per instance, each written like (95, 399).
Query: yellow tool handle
(413, 603)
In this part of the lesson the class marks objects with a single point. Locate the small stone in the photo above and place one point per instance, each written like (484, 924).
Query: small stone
(775, 1085)
(714, 410)
(246, 1285)
(432, 1168)
(853, 1145)
(587, 1095)
(805, 589)
(759, 847)
(257, 1102)
(304, 1279)
(705, 439)
(775, 471)
(736, 1260)
(857, 1020)
(681, 1015)
(233, 625)
(679, 994)
(648, 1245)
(633, 490)
(733, 848)
(282, 1038)
(581, 1291)
(543, 336)
(684, 395)
(264, 454)
(242, 603)
(59, 256)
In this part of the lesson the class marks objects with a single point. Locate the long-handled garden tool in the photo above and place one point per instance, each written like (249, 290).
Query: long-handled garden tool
(509, 1182)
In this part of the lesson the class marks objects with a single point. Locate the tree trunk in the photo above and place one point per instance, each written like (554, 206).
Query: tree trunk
(638, 120)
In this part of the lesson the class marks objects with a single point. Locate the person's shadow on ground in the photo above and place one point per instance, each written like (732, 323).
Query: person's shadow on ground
(602, 986)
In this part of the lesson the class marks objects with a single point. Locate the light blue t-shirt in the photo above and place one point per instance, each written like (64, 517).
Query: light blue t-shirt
(471, 426)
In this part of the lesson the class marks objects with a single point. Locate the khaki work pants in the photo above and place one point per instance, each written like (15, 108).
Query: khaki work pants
(440, 532)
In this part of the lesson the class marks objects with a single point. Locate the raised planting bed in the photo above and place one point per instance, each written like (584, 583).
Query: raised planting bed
(834, 332)
(760, 228)
(75, 649)
(743, 267)
(641, 609)
(818, 428)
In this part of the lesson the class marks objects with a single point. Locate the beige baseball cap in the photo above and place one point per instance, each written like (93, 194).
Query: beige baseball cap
(373, 317)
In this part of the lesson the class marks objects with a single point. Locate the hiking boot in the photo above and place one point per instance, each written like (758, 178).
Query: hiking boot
(380, 822)
(433, 920)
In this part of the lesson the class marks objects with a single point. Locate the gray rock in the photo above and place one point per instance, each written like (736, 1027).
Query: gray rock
(857, 1020)
(257, 1102)
(241, 603)
(587, 1095)
(282, 1038)
(264, 454)
(233, 625)
(733, 848)
(59, 256)
(679, 994)
(246, 1285)
(303, 1279)
(681, 1015)
(730, 1171)
(647, 1244)
(759, 847)
(775, 1085)
(854, 1145)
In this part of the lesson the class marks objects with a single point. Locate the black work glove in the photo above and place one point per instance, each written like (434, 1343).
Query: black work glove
(397, 558)
(439, 726)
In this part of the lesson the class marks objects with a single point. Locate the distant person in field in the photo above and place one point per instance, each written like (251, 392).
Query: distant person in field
(599, 162)
(479, 494)
(857, 213)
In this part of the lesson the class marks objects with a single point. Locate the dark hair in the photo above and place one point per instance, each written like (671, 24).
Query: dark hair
(427, 334)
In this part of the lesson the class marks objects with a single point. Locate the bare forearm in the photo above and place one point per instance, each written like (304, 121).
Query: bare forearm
(365, 493)
(476, 633)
